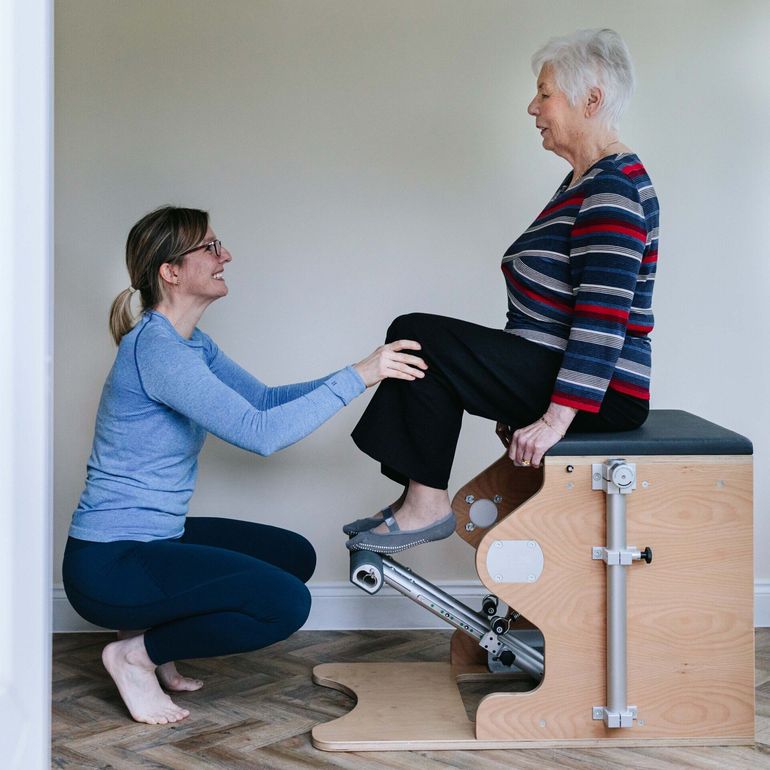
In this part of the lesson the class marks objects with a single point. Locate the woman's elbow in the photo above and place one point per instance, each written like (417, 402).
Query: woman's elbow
(266, 447)
(261, 446)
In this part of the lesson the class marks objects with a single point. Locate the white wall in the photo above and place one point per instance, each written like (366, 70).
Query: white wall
(363, 159)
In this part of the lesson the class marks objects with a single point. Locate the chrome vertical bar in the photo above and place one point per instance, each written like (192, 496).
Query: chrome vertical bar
(616, 607)
(616, 478)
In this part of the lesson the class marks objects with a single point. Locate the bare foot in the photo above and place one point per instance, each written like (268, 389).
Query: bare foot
(134, 674)
(171, 679)
(167, 674)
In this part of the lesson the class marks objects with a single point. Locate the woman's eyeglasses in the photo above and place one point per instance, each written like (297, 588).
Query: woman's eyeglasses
(216, 244)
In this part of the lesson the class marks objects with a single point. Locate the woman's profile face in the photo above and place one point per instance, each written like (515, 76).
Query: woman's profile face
(560, 124)
(201, 274)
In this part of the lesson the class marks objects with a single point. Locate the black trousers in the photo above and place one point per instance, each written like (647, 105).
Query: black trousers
(412, 428)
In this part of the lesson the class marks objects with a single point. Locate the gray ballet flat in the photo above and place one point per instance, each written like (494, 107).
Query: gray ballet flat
(364, 525)
(396, 540)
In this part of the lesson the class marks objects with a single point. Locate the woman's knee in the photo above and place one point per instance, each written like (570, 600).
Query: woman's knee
(293, 603)
(410, 326)
(304, 558)
(282, 602)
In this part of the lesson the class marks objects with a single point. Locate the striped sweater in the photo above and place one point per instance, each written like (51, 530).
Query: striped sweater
(580, 280)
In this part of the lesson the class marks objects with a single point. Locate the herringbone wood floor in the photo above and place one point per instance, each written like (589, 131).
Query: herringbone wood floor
(256, 711)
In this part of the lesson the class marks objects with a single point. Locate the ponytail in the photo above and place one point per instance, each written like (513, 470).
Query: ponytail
(121, 318)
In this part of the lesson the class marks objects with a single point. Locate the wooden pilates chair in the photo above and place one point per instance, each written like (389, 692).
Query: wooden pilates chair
(633, 653)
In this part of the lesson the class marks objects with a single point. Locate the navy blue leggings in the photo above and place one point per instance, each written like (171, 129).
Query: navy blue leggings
(225, 586)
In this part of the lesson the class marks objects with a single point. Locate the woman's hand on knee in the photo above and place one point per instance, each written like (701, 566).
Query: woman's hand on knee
(389, 361)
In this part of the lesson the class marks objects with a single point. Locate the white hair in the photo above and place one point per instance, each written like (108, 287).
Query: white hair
(587, 59)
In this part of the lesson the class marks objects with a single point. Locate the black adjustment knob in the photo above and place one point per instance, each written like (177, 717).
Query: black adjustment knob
(646, 554)
(489, 605)
(507, 658)
(499, 625)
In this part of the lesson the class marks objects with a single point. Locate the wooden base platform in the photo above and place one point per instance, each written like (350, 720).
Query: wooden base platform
(418, 707)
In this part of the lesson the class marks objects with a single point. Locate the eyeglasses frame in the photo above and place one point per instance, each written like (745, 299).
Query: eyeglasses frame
(216, 243)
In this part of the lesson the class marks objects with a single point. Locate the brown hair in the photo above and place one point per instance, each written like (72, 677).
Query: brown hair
(161, 236)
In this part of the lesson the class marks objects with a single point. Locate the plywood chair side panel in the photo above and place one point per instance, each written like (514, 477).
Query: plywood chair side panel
(566, 603)
(503, 480)
(690, 616)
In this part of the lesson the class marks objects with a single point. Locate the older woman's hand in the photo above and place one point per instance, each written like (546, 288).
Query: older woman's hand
(527, 445)
(388, 361)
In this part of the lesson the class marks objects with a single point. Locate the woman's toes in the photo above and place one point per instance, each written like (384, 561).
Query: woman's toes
(184, 684)
(176, 713)
(172, 680)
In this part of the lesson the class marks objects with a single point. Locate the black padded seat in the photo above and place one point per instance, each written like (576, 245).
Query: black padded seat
(665, 432)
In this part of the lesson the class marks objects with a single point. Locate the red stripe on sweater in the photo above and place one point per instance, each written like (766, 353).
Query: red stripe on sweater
(635, 170)
(576, 403)
(630, 390)
(537, 297)
(576, 201)
(597, 311)
(607, 227)
(641, 328)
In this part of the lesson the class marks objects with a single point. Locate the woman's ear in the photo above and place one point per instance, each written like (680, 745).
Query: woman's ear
(594, 101)
(169, 273)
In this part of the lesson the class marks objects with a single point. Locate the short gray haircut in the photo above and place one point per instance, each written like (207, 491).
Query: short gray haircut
(586, 59)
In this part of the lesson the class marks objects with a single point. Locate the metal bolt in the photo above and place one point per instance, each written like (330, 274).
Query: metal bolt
(470, 499)
(498, 578)
(497, 499)
(570, 485)
(498, 543)
(543, 723)
(622, 475)
(570, 468)
(470, 526)
(640, 723)
(531, 578)
(531, 544)
(721, 483)
(645, 484)
(597, 476)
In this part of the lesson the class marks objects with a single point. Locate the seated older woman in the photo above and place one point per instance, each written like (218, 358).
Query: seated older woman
(575, 352)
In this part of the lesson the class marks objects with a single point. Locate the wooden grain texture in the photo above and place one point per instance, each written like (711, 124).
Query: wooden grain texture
(690, 621)
(254, 711)
(502, 479)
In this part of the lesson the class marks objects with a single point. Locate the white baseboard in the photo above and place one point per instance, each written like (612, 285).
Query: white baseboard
(762, 603)
(342, 606)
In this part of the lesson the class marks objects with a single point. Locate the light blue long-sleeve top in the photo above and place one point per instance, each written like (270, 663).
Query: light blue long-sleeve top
(162, 396)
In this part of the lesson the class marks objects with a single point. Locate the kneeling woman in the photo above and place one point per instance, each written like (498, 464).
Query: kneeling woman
(200, 586)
